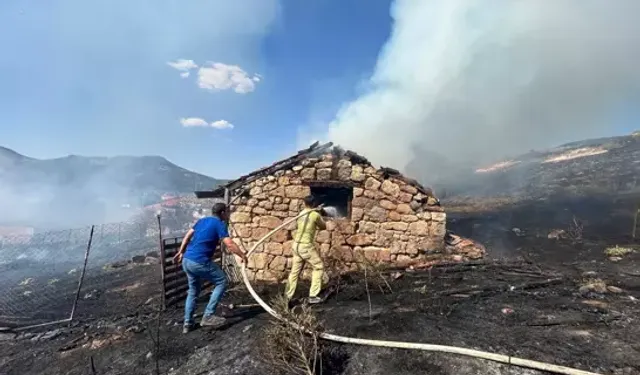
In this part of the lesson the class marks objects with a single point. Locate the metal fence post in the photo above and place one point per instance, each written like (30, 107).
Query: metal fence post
(161, 256)
(84, 270)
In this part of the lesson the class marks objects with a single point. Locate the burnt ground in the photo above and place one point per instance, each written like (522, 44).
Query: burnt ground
(504, 305)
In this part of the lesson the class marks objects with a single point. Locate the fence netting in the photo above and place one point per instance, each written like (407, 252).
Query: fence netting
(40, 273)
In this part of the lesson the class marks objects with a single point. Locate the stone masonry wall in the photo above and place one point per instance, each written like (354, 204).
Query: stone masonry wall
(391, 220)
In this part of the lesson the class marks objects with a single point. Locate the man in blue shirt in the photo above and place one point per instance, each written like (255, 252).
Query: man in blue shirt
(200, 242)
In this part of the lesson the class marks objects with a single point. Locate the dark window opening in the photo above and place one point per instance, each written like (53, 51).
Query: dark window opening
(336, 197)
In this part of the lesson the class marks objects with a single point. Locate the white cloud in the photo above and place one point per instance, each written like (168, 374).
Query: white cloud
(183, 65)
(222, 124)
(201, 123)
(184, 74)
(219, 76)
(193, 121)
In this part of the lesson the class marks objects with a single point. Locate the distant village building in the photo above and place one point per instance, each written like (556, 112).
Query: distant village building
(382, 215)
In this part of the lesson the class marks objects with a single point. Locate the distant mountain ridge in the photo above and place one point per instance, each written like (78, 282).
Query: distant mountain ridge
(79, 190)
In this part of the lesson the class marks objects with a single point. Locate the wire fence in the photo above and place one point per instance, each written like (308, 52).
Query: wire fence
(40, 274)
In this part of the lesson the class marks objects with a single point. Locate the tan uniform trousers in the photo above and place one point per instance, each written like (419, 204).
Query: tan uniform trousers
(305, 253)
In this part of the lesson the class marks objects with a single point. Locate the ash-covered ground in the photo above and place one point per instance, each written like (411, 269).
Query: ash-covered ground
(553, 300)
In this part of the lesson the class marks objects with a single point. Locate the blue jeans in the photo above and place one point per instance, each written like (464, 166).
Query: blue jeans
(196, 273)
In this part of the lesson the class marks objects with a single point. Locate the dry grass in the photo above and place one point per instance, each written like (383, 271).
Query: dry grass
(618, 251)
(575, 230)
(597, 285)
(293, 349)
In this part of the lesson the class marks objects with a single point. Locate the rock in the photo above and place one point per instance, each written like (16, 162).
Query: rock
(149, 355)
(556, 234)
(419, 228)
(372, 184)
(344, 173)
(118, 264)
(390, 188)
(258, 233)
(405, 198)
(152, 254)
(278, 263)
(270, 222)
(277, 192)
(409, 218)
(357, 174)
(589, 274)
(242, 230)
(295, 205)
(324, 165)
(240, 217)
(7, 336)
(615, 259)
(357, 214)
(297, 168)
(376, 254)
(388, 205)
(518, 232)
(614, 289)
(431, 201)
(259, 210)
(258, 261)
(51, 334)
(437, 229)
(404, 208)
(323, 236)
(273, 248)
(308, 174)
(280, 236)
(297, 191)
(395, 225)
(359, 239)
(439, 217)
(323, 174)
(369, 227)
(394, 216)
(378, 214)
(151, 260)
(138, 259)
(360, 202)
(135, 329)
(357, 192)
(94, 294)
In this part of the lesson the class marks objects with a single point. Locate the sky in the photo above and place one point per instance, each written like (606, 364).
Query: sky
(218, 87)
(223, 88)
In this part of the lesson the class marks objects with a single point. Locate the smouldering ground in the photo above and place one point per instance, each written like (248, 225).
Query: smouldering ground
(504, 307)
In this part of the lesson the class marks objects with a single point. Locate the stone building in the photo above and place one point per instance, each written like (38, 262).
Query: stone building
(382, 215)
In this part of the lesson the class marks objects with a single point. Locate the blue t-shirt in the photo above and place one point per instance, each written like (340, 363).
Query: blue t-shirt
(208, 232)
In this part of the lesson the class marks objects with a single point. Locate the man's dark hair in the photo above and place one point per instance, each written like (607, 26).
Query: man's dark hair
(218, 209)
(310, 201)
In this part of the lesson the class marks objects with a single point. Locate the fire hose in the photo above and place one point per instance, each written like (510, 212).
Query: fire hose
(501, 358)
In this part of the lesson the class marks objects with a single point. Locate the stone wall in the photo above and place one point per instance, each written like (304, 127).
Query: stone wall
(392, 220)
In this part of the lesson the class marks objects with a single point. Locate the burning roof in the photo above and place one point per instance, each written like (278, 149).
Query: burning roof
(312, 151)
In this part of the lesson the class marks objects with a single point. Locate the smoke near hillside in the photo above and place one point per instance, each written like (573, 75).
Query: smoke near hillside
(470, 81)
(76, 191)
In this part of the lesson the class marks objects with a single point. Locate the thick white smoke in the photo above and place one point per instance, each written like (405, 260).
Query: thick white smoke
(476, 80)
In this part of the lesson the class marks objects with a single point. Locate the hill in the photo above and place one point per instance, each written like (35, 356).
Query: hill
(78, 190)
(609, 166)
(592, 184)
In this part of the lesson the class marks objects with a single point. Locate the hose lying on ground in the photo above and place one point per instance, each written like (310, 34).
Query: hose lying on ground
(405, 345)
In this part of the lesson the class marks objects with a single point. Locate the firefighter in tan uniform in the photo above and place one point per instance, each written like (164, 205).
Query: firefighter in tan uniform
(304, 250)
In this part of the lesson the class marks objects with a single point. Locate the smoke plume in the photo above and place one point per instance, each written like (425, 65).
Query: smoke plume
(464, 81)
